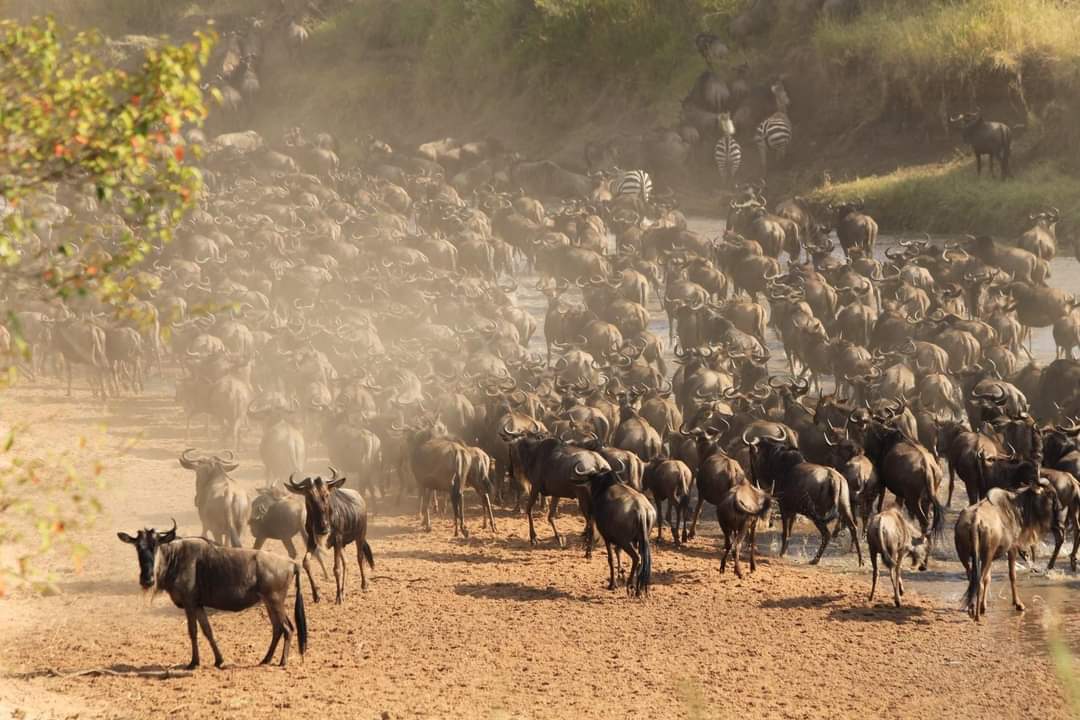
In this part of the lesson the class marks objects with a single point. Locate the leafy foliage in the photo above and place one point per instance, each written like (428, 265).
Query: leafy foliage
(108, 140)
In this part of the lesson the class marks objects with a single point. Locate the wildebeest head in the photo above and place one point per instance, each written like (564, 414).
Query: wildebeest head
(147, 542)
(316, 492)
(207, 467)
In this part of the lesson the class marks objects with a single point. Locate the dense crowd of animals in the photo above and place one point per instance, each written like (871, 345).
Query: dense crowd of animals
(370, 309)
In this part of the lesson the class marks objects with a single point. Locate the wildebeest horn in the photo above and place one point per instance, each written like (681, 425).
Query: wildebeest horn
(748, 441)
(577, 469)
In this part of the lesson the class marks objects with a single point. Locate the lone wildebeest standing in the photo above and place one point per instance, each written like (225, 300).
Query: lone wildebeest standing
(625, 518)
(198, 574)
(1002, 523)
(336, 516)
(738, 514)
(889, 534)
(986, 137)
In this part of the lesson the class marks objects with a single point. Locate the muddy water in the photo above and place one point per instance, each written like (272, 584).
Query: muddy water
(1053, 600)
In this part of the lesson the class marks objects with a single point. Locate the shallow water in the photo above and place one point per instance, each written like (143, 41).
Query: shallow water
(1053, 600)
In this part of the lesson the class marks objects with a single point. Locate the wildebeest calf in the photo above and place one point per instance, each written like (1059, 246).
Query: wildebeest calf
(670, 480)
(198, 574)
(890, 535)
(738, 513)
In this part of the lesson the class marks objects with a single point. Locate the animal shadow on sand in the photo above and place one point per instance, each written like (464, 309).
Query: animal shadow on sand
(511, 591)
(882, 613)
(801, 602)
(442, 557)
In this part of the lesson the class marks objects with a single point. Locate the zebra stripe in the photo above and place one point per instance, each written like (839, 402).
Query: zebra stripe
(774, 133)
(728, 156)
(632, 182)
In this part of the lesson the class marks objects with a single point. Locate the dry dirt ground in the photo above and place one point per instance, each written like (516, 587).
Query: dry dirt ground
(489, 627)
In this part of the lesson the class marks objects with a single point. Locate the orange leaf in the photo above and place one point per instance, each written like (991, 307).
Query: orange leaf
(58, 151)
(178, 151)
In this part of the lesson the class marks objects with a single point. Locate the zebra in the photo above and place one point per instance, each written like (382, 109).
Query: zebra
(631, 183)
(727, 153)
(774, 132)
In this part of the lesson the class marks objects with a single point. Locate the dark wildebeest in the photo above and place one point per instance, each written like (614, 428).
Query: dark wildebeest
(1003, 523)
(889, 534)
(670, 480)
(544, 465)
(907, 470)
(801, 488)
(224, 507)
(198, 574)
(986, 137)
(738, 514)
(336, 516)
(625, 518)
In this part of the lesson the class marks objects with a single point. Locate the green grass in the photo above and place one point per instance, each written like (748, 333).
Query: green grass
(949, 198)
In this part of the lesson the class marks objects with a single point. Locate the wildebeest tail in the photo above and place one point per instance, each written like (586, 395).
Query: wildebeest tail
(645, 570)
(972, 593)
(366, 548)
(937, 527)
(298, 613)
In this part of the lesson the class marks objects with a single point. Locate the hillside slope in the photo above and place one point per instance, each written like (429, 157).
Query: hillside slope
(871, 93)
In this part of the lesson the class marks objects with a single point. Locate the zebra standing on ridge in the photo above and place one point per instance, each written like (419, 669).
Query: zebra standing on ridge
(631, 183)
(727, 153)
(774, 132)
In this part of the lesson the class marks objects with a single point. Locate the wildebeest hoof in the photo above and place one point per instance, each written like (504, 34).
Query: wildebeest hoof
(192, 665)
(1020, 606)
(922, 568)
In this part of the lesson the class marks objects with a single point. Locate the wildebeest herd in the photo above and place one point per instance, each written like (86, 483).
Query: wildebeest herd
(370, 309)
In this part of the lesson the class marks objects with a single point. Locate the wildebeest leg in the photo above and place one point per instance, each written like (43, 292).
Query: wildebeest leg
(727, 550)
(753, 544)
(897, 583)
(360, 562)
(826, 535)
(611, 566)
(1012, 581)
(952, 483)
(307, 569)
(193, 633)
(533, 494)
(204, 623)
(873, 573)
(1059, 540)
(978, 164)
(339, 575)
(740, 535)
(427, 496)
(635, 568)
(552, 510)
(275, 621)
(67, 368)
(260, 541)
(490, 513)
(659, 519)
(697, 514)
(786, 522)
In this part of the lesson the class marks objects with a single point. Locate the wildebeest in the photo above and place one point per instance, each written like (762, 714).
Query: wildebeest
(818, 492)
(336, 516)
(198, 574)
(224, 507)
(625, 518)
(670, 480)
(277, 515)
(738, 514)
(993, 139)
(1002, 523)
(889, 534)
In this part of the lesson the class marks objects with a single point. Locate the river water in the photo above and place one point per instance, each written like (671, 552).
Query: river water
(1052, 599)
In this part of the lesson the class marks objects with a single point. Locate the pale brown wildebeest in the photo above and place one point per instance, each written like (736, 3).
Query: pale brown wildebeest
(1002, 523)
(890, 535)
(738, 513)
(198, 574)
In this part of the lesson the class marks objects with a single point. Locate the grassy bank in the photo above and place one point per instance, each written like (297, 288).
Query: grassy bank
(949, 198)
(869, 93)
